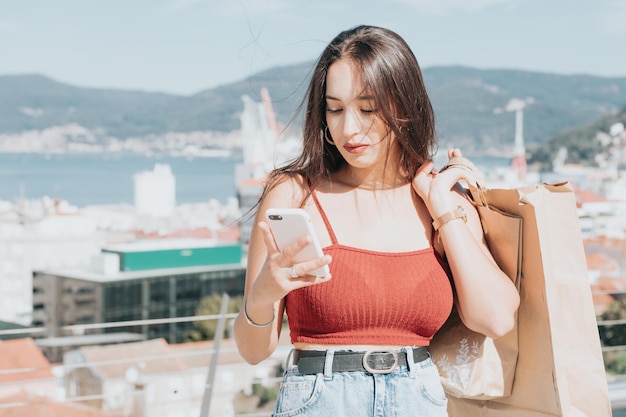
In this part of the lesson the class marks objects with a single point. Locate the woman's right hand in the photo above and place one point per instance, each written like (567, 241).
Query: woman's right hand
(268, 277)
(275, 279)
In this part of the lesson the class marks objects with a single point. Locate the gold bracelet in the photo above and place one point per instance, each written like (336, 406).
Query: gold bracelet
(459, 213)
(252, 323)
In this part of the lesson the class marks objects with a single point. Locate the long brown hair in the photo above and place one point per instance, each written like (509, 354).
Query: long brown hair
(391, 72)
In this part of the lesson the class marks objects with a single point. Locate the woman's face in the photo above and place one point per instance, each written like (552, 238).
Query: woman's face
(353, 119)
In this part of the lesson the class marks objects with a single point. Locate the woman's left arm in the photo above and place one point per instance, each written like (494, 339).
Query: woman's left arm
(487, 299)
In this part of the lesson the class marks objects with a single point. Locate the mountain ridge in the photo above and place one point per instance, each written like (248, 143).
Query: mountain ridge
(465, 100)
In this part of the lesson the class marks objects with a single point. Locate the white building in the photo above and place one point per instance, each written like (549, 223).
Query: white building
(155, 192)
(39, 235)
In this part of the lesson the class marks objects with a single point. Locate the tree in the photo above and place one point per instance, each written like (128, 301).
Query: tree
(205, 329)
(614, 335)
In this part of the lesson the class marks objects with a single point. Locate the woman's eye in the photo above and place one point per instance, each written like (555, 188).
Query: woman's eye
(329, 110)
(368, 111)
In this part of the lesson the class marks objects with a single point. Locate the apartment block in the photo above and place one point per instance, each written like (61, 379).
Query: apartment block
(151, 279)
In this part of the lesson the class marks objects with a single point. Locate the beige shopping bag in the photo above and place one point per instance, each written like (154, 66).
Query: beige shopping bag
(560, 370)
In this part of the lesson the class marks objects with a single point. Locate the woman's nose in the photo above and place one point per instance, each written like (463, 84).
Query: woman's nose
(351, 124)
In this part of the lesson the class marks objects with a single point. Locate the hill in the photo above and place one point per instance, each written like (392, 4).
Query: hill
(584, 144)
(464, 100)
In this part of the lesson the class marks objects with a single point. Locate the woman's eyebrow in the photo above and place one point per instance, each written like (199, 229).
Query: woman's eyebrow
(361, 98)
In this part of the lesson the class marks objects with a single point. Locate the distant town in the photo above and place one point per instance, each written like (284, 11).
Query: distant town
(73, 138)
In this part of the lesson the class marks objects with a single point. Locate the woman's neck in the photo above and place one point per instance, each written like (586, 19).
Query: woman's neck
(372, 180)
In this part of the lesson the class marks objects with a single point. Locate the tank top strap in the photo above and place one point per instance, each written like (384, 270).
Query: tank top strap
(329, 228)
(433, 232)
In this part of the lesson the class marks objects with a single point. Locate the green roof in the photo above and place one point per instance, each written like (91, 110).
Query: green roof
(5, 325)
(175, 253)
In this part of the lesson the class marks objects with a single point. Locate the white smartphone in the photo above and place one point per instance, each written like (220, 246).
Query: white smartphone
(290, 224)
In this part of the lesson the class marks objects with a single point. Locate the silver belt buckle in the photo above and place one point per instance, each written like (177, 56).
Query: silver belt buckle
(371, 370)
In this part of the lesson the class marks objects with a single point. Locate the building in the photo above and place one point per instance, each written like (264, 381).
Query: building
(155, 192)
(249, 191)
(6, 330)
(25, 371)
(142, 280)
(24, 405)
(154, 378)
(40, 234)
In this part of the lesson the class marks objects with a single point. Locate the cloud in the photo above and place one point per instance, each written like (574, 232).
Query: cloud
(615, 18)
(445, 7)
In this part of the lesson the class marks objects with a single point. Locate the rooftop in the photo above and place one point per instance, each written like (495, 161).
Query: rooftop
(155, 244)
(89, 275)
(586, 196)
(23, 355)
(89, 339)
(153, 357)
(29, 406)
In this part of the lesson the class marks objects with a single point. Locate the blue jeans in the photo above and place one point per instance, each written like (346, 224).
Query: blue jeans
(409, 391)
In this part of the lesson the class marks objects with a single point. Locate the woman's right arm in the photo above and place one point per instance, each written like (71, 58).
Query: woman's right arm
(268, 279)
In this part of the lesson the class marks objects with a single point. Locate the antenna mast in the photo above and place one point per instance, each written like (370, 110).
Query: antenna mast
(519, 149)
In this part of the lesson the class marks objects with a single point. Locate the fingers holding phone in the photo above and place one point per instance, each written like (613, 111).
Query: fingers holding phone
(300, 251)
(307, 271)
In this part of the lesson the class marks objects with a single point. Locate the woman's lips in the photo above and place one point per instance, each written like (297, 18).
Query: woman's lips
(355, 147)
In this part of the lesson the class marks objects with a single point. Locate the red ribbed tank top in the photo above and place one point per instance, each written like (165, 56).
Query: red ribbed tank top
(373, 298)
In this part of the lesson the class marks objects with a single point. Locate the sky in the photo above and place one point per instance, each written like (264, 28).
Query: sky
(186, 46)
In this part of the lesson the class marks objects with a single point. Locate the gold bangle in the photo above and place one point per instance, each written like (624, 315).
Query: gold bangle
(252, 323)
(459, 213)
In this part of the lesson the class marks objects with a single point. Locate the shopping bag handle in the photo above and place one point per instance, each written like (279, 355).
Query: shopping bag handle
(475, 181)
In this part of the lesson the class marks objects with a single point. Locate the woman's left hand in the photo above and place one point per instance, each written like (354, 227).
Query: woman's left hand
(435, 188)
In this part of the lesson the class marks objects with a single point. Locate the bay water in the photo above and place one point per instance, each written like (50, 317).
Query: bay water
(92, 179)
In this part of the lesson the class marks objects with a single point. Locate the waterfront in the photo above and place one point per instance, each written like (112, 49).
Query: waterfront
(91, 179)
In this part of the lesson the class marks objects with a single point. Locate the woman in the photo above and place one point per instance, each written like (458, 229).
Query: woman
(366, 178)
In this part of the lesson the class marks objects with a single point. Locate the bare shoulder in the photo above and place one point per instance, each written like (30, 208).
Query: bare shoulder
(288, 191)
